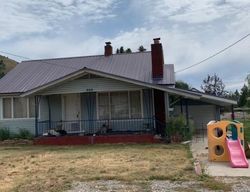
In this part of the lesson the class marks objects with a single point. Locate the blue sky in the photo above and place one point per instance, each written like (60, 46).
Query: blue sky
(190, 31)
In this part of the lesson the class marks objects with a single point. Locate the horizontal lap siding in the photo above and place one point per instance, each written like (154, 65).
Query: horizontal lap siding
(91, 85)
(16, 124)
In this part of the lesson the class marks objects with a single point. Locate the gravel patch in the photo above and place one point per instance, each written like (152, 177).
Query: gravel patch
(238, 185)
(163, 186)
(102, 185)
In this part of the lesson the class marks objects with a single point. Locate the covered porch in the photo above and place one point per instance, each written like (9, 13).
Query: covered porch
(96, 113)
(92, 105)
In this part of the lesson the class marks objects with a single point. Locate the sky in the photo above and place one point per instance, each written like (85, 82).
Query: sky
(190, 31)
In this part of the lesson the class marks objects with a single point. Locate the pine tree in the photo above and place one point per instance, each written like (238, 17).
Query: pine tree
(122, 49)
(128, 50)
(243, 96)
(141, 49)
(2, 68)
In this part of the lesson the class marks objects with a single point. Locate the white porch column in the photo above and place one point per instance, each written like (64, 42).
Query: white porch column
(166, 101)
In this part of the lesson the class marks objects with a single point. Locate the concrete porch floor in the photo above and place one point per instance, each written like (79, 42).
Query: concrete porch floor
(200, 152)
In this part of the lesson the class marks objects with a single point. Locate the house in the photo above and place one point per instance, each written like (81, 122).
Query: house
(100, 95)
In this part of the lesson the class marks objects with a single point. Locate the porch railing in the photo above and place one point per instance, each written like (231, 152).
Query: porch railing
(99, 127)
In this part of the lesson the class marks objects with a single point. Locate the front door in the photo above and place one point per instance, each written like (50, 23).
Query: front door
(72, 112)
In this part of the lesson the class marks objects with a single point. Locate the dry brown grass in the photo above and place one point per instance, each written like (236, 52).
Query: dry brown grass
(33, 168)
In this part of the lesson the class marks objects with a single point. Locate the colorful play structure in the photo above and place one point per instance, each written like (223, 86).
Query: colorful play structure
(226, 143)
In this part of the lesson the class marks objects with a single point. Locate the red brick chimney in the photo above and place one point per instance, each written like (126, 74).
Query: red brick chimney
(157, 59)
(108, 50)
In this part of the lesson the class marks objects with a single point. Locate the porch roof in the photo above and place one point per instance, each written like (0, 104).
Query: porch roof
(171, 90)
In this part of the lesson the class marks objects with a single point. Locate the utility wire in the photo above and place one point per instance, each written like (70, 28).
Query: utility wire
(41, 61)
(217, 53)
(181, 70)
(14, 55)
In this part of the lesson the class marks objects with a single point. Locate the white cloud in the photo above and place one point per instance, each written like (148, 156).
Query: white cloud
(190, 31)
(27, 17)
(190, 11)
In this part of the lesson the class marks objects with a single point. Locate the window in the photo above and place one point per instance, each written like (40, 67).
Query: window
(135, 104)
(32, 107)
(120, 105)
(7, 108)
(20, 107)
(103, 105)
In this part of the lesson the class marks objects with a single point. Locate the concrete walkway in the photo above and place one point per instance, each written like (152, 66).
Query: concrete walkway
(200, 152)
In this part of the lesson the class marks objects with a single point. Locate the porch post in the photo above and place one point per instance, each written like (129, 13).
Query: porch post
(187, 112)
(232, 115)
(36, 114)
(217, 113)
(49, 108)
(166, 98)
(181, 102)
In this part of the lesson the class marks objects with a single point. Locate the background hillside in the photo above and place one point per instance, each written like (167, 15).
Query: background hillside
(9, 63)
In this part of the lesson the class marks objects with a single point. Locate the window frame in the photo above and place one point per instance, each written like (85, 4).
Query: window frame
(141, 104)
(12, 109)
(129, 104)
(26, 105)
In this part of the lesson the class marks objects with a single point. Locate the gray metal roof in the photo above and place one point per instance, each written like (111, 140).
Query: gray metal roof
(31, 74)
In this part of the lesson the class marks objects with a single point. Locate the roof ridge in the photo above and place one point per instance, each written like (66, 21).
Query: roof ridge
(59, 58)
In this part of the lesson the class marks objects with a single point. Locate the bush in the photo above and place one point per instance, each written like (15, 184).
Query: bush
(4, 134)
(177, 130)
(24, 134)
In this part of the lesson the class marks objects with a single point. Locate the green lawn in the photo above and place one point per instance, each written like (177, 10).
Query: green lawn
(247, 129)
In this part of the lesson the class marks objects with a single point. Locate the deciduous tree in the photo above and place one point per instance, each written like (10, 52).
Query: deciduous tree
(213, 85)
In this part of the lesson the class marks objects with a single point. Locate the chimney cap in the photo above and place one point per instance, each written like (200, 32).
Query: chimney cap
(108, 43)
(157, 40)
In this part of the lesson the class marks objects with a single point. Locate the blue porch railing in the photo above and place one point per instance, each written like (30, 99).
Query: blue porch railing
(99, 127)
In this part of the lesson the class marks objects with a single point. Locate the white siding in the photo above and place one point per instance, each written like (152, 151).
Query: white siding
(16, 124)
(90, 85)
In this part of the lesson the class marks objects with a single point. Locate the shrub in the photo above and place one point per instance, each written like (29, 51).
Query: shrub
(24, 134)
(177, 128)
(4, 134)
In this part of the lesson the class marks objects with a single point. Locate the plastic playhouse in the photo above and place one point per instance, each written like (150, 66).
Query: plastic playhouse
(226, 143)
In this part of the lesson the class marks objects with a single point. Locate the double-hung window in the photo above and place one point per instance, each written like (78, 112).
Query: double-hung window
(135, 104)
(18, 107)
(120, 105)
(103, 108)
(7, 108)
